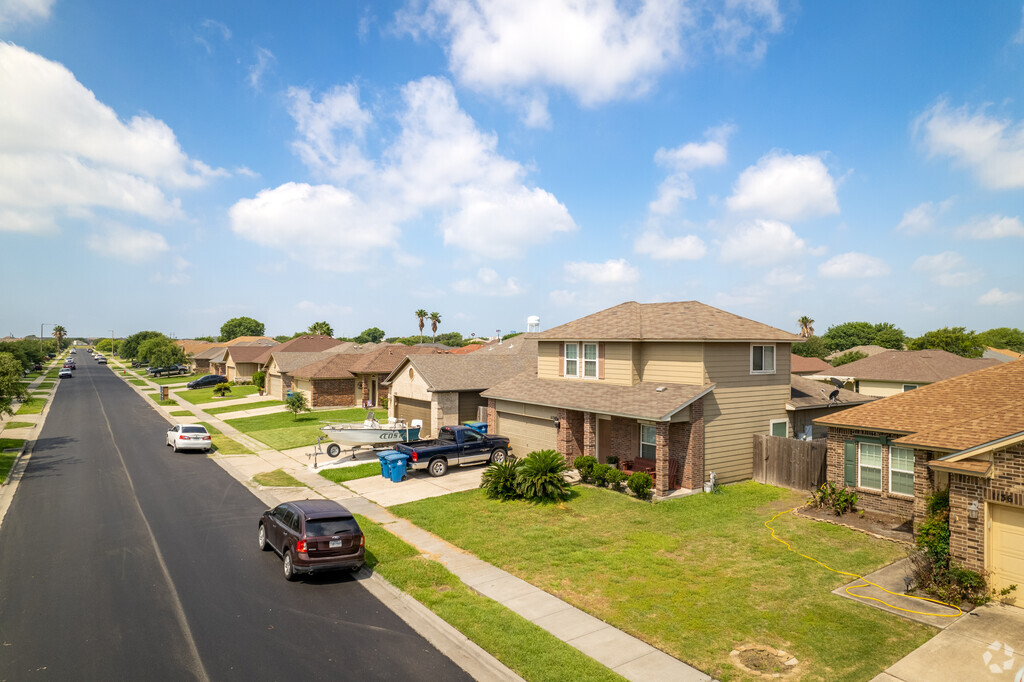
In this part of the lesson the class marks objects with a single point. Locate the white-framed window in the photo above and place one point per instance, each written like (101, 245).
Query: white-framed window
(648, 441)
(590, 361)
(901, 471)
(779, 427)
(762, 359)
(909, 387)
(572, 359)
(869, 472)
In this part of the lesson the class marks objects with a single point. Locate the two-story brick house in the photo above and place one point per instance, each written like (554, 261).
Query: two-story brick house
(659, 382)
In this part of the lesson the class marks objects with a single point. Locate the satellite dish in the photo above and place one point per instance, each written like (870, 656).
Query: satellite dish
(838, 383)
(833, 397)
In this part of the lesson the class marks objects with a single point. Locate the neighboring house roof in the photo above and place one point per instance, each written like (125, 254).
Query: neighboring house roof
(1001, 354)
(477, 371)
(467, 349)
(913, 366)
(964, 412)
(251, 341)
(867, 350)
(386, 359)
(245, 353)
(191, 346)
(806, 394)
(680, 321)
(300, 344)
(289, 362)
(211, 353)
(802, 365)
(353, 347)
(383, 360)
(330, 367)
(643, 400)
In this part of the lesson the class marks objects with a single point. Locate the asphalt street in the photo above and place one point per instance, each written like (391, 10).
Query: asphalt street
(121, 560)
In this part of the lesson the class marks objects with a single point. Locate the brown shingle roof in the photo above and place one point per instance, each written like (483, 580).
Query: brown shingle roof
(681, 321)
(955, 414)
(329, 367)
(866, 350)
(211, 353)
(251, 341)
(644, 400)
(288, 362)
(915, 366)
(300, 344)
(246, 353)
(802, 365)
(806, 393)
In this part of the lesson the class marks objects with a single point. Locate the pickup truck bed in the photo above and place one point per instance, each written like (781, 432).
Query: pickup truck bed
(455, 446)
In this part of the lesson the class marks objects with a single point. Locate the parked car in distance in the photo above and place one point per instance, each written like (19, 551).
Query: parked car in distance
(312, 536)
(37, 367)
(101, 360)
(64, 373)
(189, 437)
(206, 381)
(69, 364)
(169, 370)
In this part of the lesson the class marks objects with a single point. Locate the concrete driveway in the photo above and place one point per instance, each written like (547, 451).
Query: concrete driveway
(986, 644)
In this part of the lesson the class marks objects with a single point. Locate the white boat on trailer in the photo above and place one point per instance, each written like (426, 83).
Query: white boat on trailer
(369, 433)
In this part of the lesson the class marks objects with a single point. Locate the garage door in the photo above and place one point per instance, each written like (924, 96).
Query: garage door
(526, 434)
(1007, 546)
(409, 409)
(274, 386)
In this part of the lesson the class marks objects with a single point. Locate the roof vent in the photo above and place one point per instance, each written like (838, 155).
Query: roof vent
(660, 389)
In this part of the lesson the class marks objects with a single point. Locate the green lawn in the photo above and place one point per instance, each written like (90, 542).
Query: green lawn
(31, 406)
(352, 473)
(281, 432)
(18, 425)
(694, 577)
(214, 431)
(530, 651)
(7, 458)
(246, 406)
(138, 382)
(181, 413)
(45, 384)
(177, 379)
(200, 396)
(227, 446)
(278, 478)
(165, 403)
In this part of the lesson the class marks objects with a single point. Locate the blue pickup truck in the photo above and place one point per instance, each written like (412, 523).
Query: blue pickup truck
(454, 446)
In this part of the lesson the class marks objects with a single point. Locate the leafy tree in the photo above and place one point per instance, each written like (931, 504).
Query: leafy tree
(240, 326)
(421, 315)
(105, 346)
(283, 337)
(130, 347)
(956, 340)
(160, 351)
(1010, 338)
(435, 319)
(371, 335)
(321, 328)
(296, 403)
(11, 388)
(806, 327)
(453, 339)
(844, 336)
(59, 332)
(847, 357)
(504, 338)
(888, 335)
(813, 347)
(208, 339)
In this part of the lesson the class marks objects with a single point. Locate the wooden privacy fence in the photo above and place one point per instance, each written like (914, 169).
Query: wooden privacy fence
(790, 463)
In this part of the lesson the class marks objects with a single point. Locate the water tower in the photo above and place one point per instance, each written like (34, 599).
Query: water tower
(533, 323)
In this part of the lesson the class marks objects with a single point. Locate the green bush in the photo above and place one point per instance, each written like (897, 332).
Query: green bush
(839, 500)
(640, 482)
(221, 389)
(933, 537)
(585, 465)
(613, 461)
(937, 502)
(499, 479)
(600, 474)
(541, 477)
(615, 479)
(259, 379)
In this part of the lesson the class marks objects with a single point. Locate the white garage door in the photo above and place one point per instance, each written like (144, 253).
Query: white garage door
(1007, 546)
(274, 385)
(526, 434)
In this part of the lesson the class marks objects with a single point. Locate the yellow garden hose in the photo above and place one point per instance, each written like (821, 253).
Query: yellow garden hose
(867, 582)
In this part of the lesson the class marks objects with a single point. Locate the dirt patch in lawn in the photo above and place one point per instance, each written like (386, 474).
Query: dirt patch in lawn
(886, 526)
(763, 661)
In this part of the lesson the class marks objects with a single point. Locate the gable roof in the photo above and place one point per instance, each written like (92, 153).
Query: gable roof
(250, 341)
(289, 362)
(382, 360)
(954, 414)
(300, 344)
(801, 365)
(680, 321)
(1001, 354)
(474, 371)
(915, 366)
(806, 394)
(245, 353)
(868, 350)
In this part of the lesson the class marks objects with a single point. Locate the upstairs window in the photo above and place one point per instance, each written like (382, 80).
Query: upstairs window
(590, 360)
(762, 359)
(572, 360)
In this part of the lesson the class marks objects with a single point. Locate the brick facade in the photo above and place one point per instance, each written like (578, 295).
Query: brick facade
(902, 506)
(332, 393)
(967, 535)
(570, 438)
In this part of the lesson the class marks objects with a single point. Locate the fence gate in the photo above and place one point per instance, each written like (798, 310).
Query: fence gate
(790, 463)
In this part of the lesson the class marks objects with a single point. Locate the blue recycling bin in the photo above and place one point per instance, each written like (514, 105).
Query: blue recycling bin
(397, 463)
(477, 426)
(385, 465)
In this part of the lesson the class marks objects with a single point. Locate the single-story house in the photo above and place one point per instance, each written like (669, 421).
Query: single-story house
(345, 379)
(896, 371)
(965, 434)
(241, 362)
(278, 383)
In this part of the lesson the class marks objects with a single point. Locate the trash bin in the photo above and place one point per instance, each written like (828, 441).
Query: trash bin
(385, 465)
(396, 465)
(477, 426)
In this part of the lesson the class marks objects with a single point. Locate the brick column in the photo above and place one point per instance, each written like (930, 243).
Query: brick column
(492, 415)
(563, 438)
(590, 434)
(692, 474)
(661, 459)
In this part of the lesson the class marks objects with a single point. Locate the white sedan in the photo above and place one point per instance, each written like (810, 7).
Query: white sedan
(189, 437)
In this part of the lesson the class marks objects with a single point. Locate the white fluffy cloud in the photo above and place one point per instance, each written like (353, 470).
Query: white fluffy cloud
(656, 245)
(610, 272)
(439, 165)
(487, 283)
(992, 227)
(762, 242)
(993, 149)
(996, 296)
(18, 11)
(684, 159)
(946, 269)
(61, 150)
(124, 243)
(785, 187)
(922, 217)
(853, 265)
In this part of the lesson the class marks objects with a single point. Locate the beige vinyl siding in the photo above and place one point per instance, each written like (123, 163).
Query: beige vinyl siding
(415, 387)
(880, 388)
(527, 434)
(674, 363)
(618, 363)
(526, 409)
(635, 370)
(548, 353)
(742, 404)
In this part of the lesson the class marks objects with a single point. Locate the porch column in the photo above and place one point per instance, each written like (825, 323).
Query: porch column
(693, 466)
(661, 459)
(590, 434)
(563, 438)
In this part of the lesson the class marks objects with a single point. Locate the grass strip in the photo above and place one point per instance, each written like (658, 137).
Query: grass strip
(138, 382)
(282, 431)
(214, 431)
(176, 379)
(31, 406)
(278, 478)
(45, 384)
(228, 446)
(245, 406)
(533, 653)
(181, 413)
(167, 403)
(18, 425)
(200, 396)
(343, 474)
(7, 458)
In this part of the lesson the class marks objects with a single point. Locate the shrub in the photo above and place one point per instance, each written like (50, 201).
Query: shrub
(613, 461)
(585, 465)
(541, 477)
(933, 537)
(384, 401)
(600, 474)
(640, 482)
(839, 500)
(259, 379)
(296, 403)
(499, 479)
(937, 502)
(221, 389)
(615, 479)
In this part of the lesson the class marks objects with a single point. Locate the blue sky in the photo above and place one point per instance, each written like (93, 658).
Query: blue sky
(172, 165)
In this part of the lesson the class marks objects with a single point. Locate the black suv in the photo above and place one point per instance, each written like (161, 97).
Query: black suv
(207, 381)
(313, 536)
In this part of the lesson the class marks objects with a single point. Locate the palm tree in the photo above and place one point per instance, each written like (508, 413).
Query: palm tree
(435, 319)
(59, 332)
(806, 327)
(321, 328)
(421, 315)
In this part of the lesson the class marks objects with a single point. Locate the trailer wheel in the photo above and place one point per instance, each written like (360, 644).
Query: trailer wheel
(333, 450)
(438, 467)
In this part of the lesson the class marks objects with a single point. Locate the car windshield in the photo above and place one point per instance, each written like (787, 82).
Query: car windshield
(193, 429)
(335, 526)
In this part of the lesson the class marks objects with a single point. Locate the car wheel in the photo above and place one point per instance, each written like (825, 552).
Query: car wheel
(289, 568)
(174, 447)
(498, 456)
(438, 467)
(264, 545)
(333, 449)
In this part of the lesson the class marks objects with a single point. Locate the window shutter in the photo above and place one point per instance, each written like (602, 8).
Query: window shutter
(600, 361)
(561, 359)
(850, 463)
